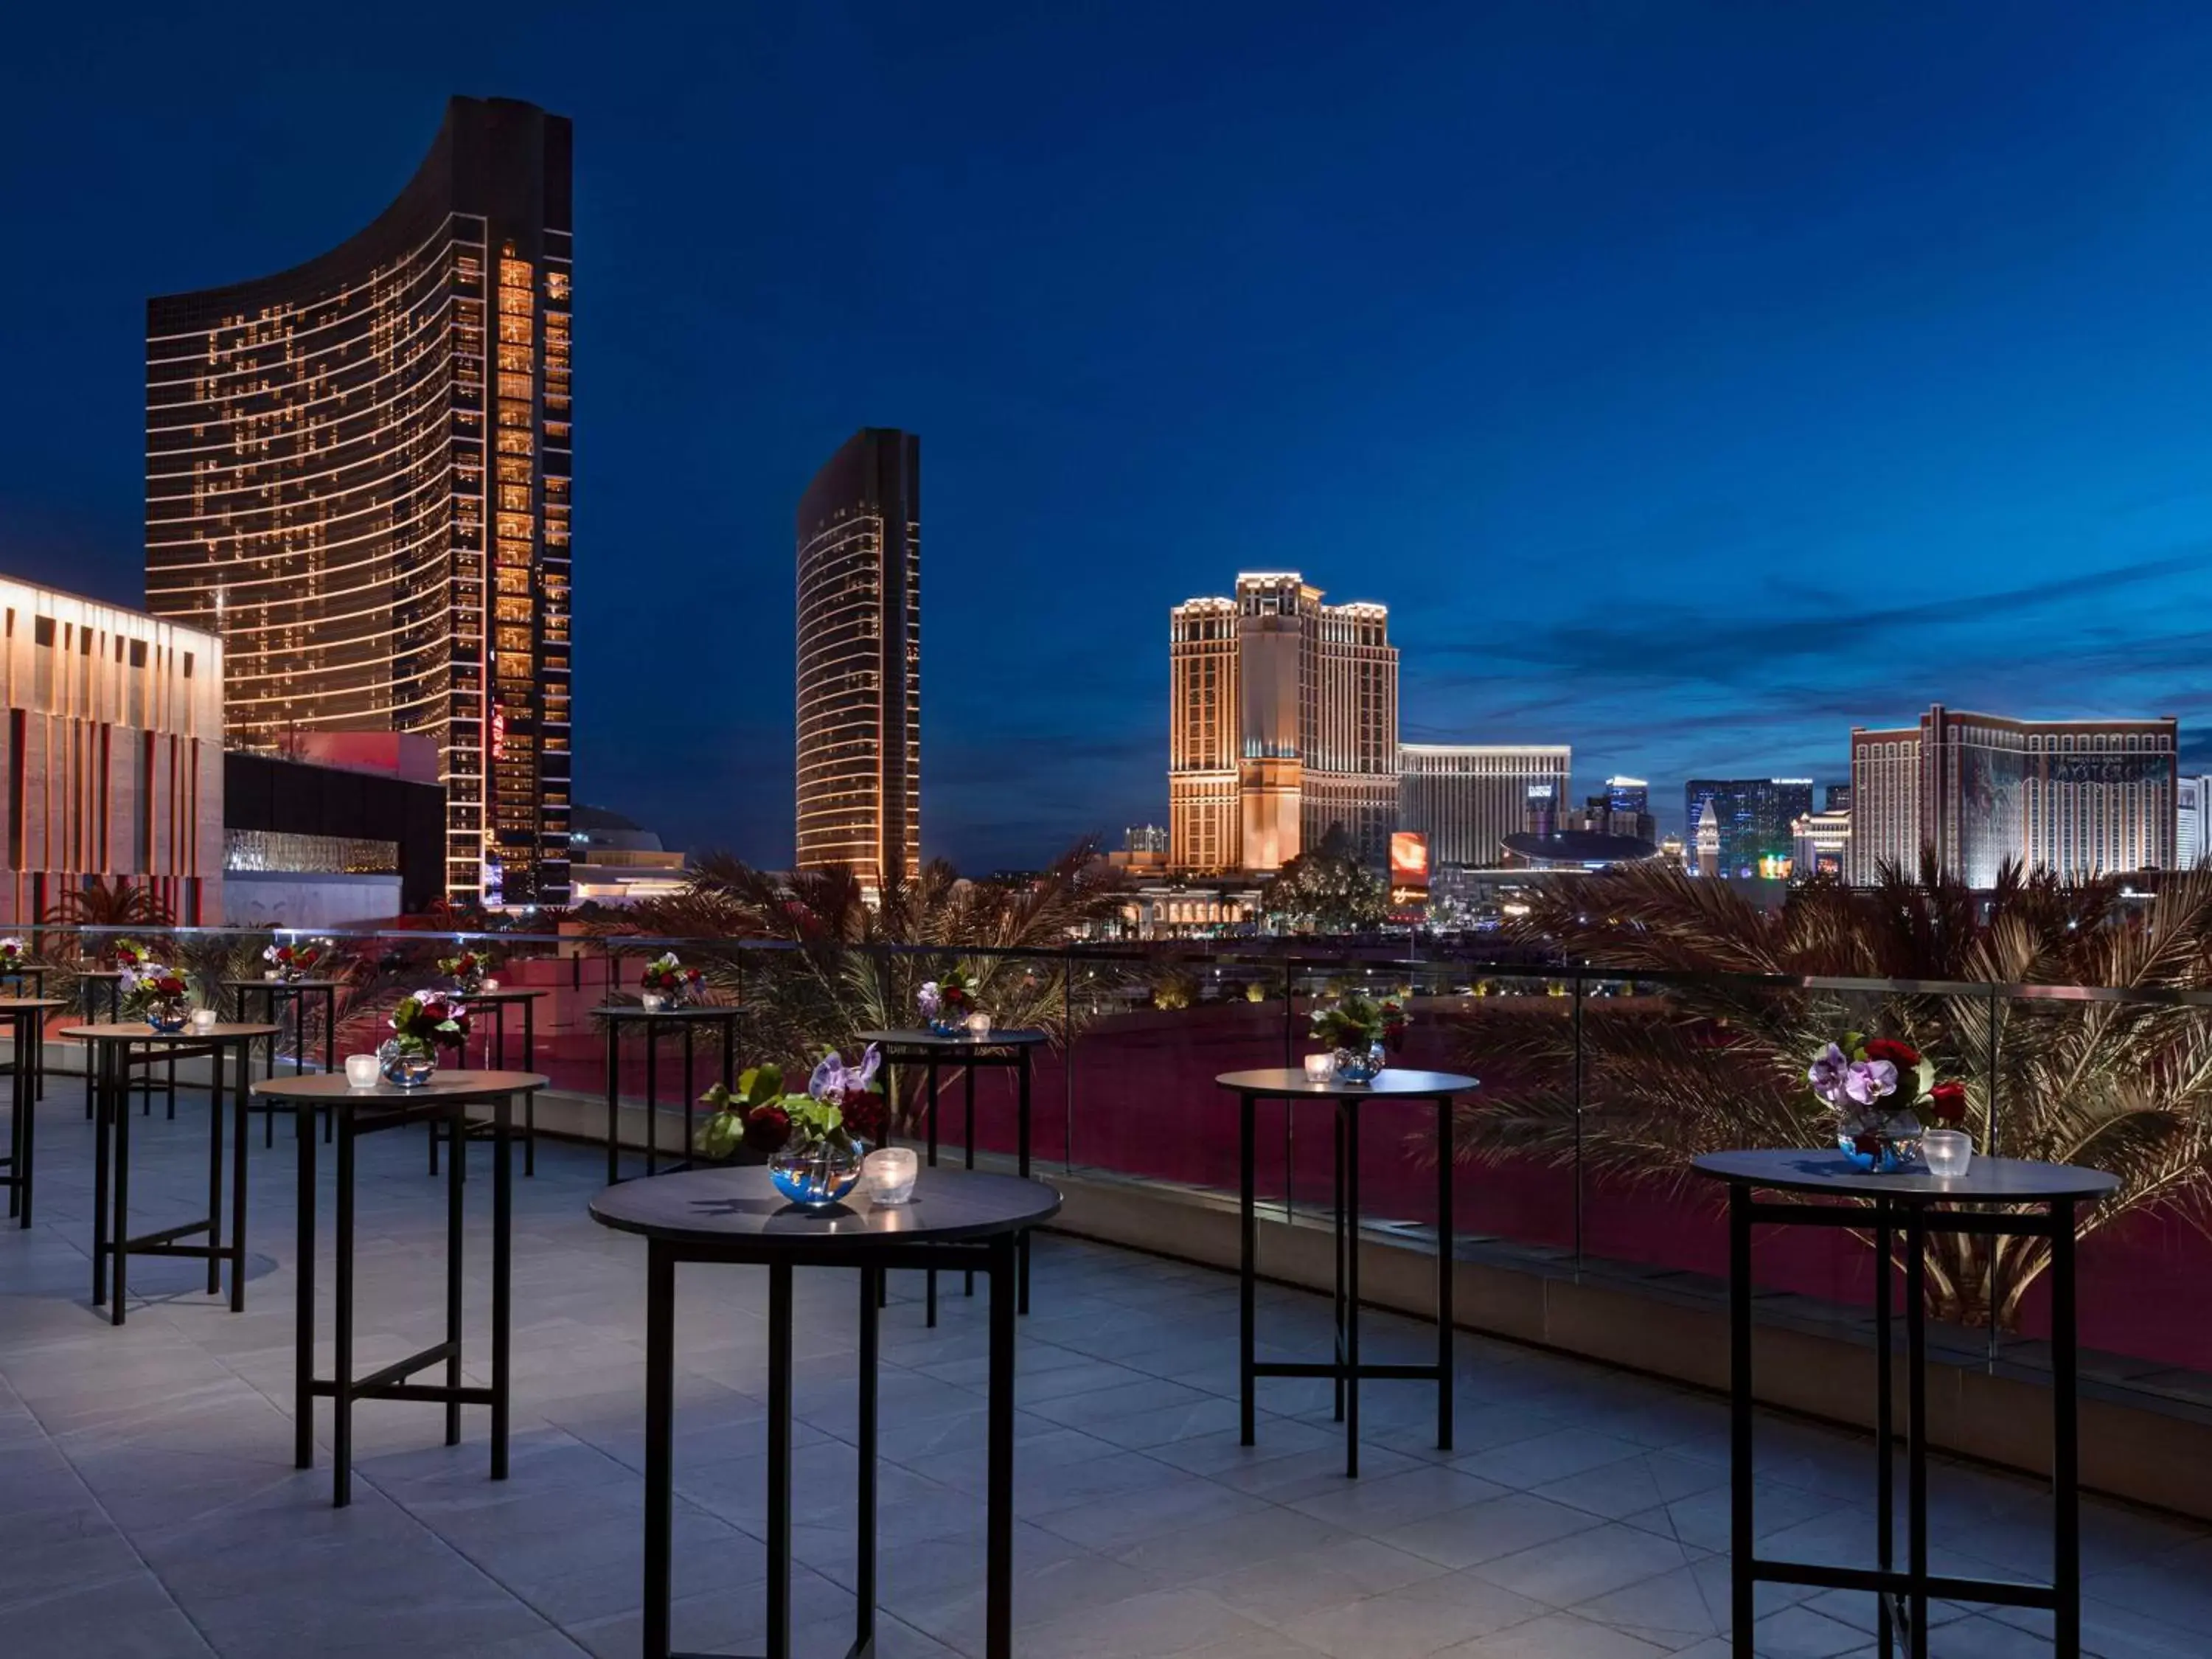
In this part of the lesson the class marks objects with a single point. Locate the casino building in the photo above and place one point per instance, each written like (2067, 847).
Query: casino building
(358, 477)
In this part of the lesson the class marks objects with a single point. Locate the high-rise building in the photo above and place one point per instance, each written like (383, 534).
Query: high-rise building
(113, 752)
(2083, 798)
(2193, 820)
(1838, 797)
(1283, 724)
(1630, 796)
(1755, 816)
(357, 475)
(1145, 838)
(1467, 799)
(1822, 842)
(1708, 841)
(860, 660)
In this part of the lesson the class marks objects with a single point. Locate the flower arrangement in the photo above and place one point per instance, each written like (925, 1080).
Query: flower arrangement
(154, 993)
(14, 953)
(295, 961)
(667, 977)
(843, 1103)
(946, 1002)
(1359, 1023)
(429, 1020)
(125, 955)
(1877, 1088)
(467, 968)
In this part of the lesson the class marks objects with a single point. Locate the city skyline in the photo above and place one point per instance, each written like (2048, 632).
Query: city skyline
(1827, 419)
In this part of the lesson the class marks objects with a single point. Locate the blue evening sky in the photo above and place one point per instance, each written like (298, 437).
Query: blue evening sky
(1692, 381)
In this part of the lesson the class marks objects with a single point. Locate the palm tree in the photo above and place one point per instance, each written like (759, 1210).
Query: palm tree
(818, 963)
(1719, 1061)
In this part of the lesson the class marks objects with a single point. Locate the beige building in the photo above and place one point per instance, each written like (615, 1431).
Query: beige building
(113, 750)
(1283, 724)
(1467, 797)
(2083, 798)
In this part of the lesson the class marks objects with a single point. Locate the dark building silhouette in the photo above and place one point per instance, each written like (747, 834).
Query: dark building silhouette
(860, 660)
(357, 474)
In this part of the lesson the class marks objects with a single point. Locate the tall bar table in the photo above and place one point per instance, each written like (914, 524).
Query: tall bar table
(26, 1025)
(2005, 1198)
(658, 1022)
(110, 1051)
(956, 1220)
(28, 979)
(1008, 1048)
(363, 1112)
(494, 1055)
(91, 983)
(296, 992)
(1344, 1367)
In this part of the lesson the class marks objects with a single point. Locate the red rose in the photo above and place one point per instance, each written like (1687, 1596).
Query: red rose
(1867, 1142)
(1948, 1102)
(864, 1116)
(767, 1127)
(1903, 1055)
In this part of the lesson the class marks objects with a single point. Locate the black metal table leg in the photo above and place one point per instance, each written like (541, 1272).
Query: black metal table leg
(1022, 1131)
(1351, 1290)
(968, 1140)
(502, 1280)
(999, 1545)
(1885, 1432)
(1336, 1244)
(929, 1292)
(1445, 1310)
(652, 1101)
(1740, 1583)
(118, 1217)
(303, 1317)
(2065, 1442)
(691, 1098)
(239, 1121)
(215, 1169)
(103, 1162)
(456, 1126)
(342, 1382)
(779, 1460)
(659, 1447)
(1916, 1393)
(614, 1102)
(864, 1567)
(1247, 1268)
(529, 1106)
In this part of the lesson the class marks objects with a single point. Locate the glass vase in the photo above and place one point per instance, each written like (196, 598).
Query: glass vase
(1899, 1150)
(816, 1174)
(407, 1065)
(169, 1014)
(1354, 1065)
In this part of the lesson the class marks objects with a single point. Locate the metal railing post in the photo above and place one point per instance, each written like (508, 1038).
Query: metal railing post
(1579, 1119)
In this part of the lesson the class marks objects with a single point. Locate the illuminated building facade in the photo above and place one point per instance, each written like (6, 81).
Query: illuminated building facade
(2193, 820)
(358, 474)
(860, 660)
(1467, 797)
(1283, 724)
(1822, 842)
(2083, 798)
(113, 752)
(1755, 816)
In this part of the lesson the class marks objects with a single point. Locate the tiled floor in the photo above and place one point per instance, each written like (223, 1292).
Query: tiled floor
(148, 1506)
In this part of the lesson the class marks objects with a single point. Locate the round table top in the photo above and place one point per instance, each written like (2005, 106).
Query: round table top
(29, 1004)
(99, 973)
(1013, 1037)
(502, 995)
(742, 1206)
(1390, 1080)
(330, 1089)
(1987, 1180)
(264, 983)
(689, 1010)
(136, 1030)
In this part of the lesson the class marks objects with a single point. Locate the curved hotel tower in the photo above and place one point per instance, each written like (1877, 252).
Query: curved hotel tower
(357, 475)
(860, 660)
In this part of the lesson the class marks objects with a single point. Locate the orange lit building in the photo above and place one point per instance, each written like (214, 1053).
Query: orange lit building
(859, 794)
(358, 475)
(1283, 724)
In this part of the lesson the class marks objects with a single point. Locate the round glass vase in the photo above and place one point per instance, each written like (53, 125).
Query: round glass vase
(948, 1025)
(467, 985)
(816, 1174)
(1352, 1065)
(407, 1065)
(169, 1014)
(1899, 1152)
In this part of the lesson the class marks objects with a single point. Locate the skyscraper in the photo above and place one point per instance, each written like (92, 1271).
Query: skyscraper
(358, 475)
(2193, 820)
(860, 660)
(2083, 798)
(1755, 816)
(1467, 799)
(1283, 724)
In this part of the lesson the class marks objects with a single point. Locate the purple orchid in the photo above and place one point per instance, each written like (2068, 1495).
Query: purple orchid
(927, 999)
(1869, 1080)
(834, 1080)
(1829, 1073)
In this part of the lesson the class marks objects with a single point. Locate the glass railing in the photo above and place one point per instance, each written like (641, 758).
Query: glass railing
(1595, 1087)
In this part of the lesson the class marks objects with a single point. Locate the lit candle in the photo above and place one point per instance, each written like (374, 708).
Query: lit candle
(889, 1172)
(361, 1070)
(203, 1019)
(1318, 1067)
(1949, 1152)
(490, 985)
(978, 1025)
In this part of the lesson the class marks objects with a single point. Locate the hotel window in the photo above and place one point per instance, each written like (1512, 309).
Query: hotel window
(515, 443)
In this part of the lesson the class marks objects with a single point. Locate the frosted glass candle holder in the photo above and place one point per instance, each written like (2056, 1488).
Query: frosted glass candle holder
(889, 1172)
(490, 985)
(203, 1019)
(1320, 1067)
(978, 1025)
(1948, 1153)
(361, 1070)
